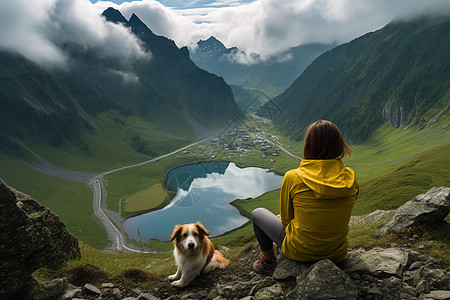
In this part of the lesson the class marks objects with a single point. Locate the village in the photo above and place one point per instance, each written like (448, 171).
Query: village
(243, 141)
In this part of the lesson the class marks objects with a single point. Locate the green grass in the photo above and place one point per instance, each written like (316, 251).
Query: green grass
(125, 183)
(109, 144)
(70, 200)
(146, 199)
(114, 265)
(412, 177)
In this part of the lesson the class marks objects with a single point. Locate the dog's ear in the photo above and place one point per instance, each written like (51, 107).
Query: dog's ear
(202, 229)
(176, 232)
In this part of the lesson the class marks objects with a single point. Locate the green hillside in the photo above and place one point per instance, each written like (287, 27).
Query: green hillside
(395, 75)
(33, 104)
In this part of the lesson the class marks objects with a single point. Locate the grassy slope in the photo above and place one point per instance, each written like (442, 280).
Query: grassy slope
(72, 201)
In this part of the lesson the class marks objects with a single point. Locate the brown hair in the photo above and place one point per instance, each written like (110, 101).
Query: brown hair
(323, 140)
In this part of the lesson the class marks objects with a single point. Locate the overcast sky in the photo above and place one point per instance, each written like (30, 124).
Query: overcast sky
(39, 28)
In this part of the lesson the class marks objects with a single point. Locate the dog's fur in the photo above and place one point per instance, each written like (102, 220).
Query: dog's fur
(194, 253)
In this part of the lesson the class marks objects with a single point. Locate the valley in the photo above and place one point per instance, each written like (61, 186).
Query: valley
(96, 148)
(255, 142)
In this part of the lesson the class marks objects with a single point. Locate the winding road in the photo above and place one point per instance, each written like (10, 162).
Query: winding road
(99, 201)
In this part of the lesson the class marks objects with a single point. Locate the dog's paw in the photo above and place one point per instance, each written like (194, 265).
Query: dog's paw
(172, 277)
(178, 283)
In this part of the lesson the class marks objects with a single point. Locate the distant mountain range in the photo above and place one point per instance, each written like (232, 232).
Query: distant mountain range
(399, 74)
(272, 75)
(54, 105)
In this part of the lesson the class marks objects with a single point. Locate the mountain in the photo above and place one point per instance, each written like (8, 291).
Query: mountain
(169, 81)
(33, 104)
(398, 74)
(272, 76)
(55, 105)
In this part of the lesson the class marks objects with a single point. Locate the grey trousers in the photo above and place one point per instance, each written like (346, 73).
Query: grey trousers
(268, 228)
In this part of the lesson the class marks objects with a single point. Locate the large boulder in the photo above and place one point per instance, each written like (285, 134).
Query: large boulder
(431, 207)
(378, 262)
(31, 237)
(324, 280)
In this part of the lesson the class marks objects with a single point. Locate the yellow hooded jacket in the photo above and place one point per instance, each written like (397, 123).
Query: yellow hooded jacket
(316, 202)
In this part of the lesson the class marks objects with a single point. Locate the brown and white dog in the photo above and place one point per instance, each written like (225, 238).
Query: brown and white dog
(194, 253)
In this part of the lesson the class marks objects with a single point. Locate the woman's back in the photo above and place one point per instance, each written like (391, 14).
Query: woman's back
(316, 204)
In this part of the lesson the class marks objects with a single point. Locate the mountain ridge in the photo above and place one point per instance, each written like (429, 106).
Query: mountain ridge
(272, 75)
(396, 74)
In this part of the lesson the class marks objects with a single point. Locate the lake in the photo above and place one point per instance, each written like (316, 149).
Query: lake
(204, 192)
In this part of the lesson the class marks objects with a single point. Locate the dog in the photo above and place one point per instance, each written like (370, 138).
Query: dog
(194, 253)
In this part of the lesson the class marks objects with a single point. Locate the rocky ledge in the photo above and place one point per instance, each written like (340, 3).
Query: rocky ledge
(32, 237)
(390, 273)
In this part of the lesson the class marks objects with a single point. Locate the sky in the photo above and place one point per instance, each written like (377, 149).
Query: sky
(40, 28)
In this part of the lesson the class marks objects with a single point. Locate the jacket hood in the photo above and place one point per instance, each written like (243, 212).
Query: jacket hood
(328, 178)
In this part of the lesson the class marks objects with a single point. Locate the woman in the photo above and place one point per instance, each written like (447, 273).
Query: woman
(316, 202)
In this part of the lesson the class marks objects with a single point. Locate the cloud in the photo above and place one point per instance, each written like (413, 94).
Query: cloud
(269, 27)
(127, 77)
(41, 30)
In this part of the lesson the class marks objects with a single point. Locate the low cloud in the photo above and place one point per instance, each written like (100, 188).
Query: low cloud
(269, 27)
(41, 30)
(241, 57)
(127, 77)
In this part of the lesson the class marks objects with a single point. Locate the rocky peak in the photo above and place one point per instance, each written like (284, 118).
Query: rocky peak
(113, 15)
(211, 45)
(138, 26)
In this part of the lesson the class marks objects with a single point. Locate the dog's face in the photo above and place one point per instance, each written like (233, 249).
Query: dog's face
(189, 237)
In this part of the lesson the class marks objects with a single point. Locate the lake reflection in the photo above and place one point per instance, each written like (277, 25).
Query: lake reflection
(204, 192)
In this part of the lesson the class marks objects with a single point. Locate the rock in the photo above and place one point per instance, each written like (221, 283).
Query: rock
(91, 289)
(236, 289)
(375, 291)
(197, 295)
(266, 282)
(379, 262)
(324, 280)
(270, 292)
(436, 295)
(372, 218)
(436, 279)
(431, 207)
(147, 296)
(112, 293)
(31, 237)
(72, 292)
(37, 290)
(289, 269)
